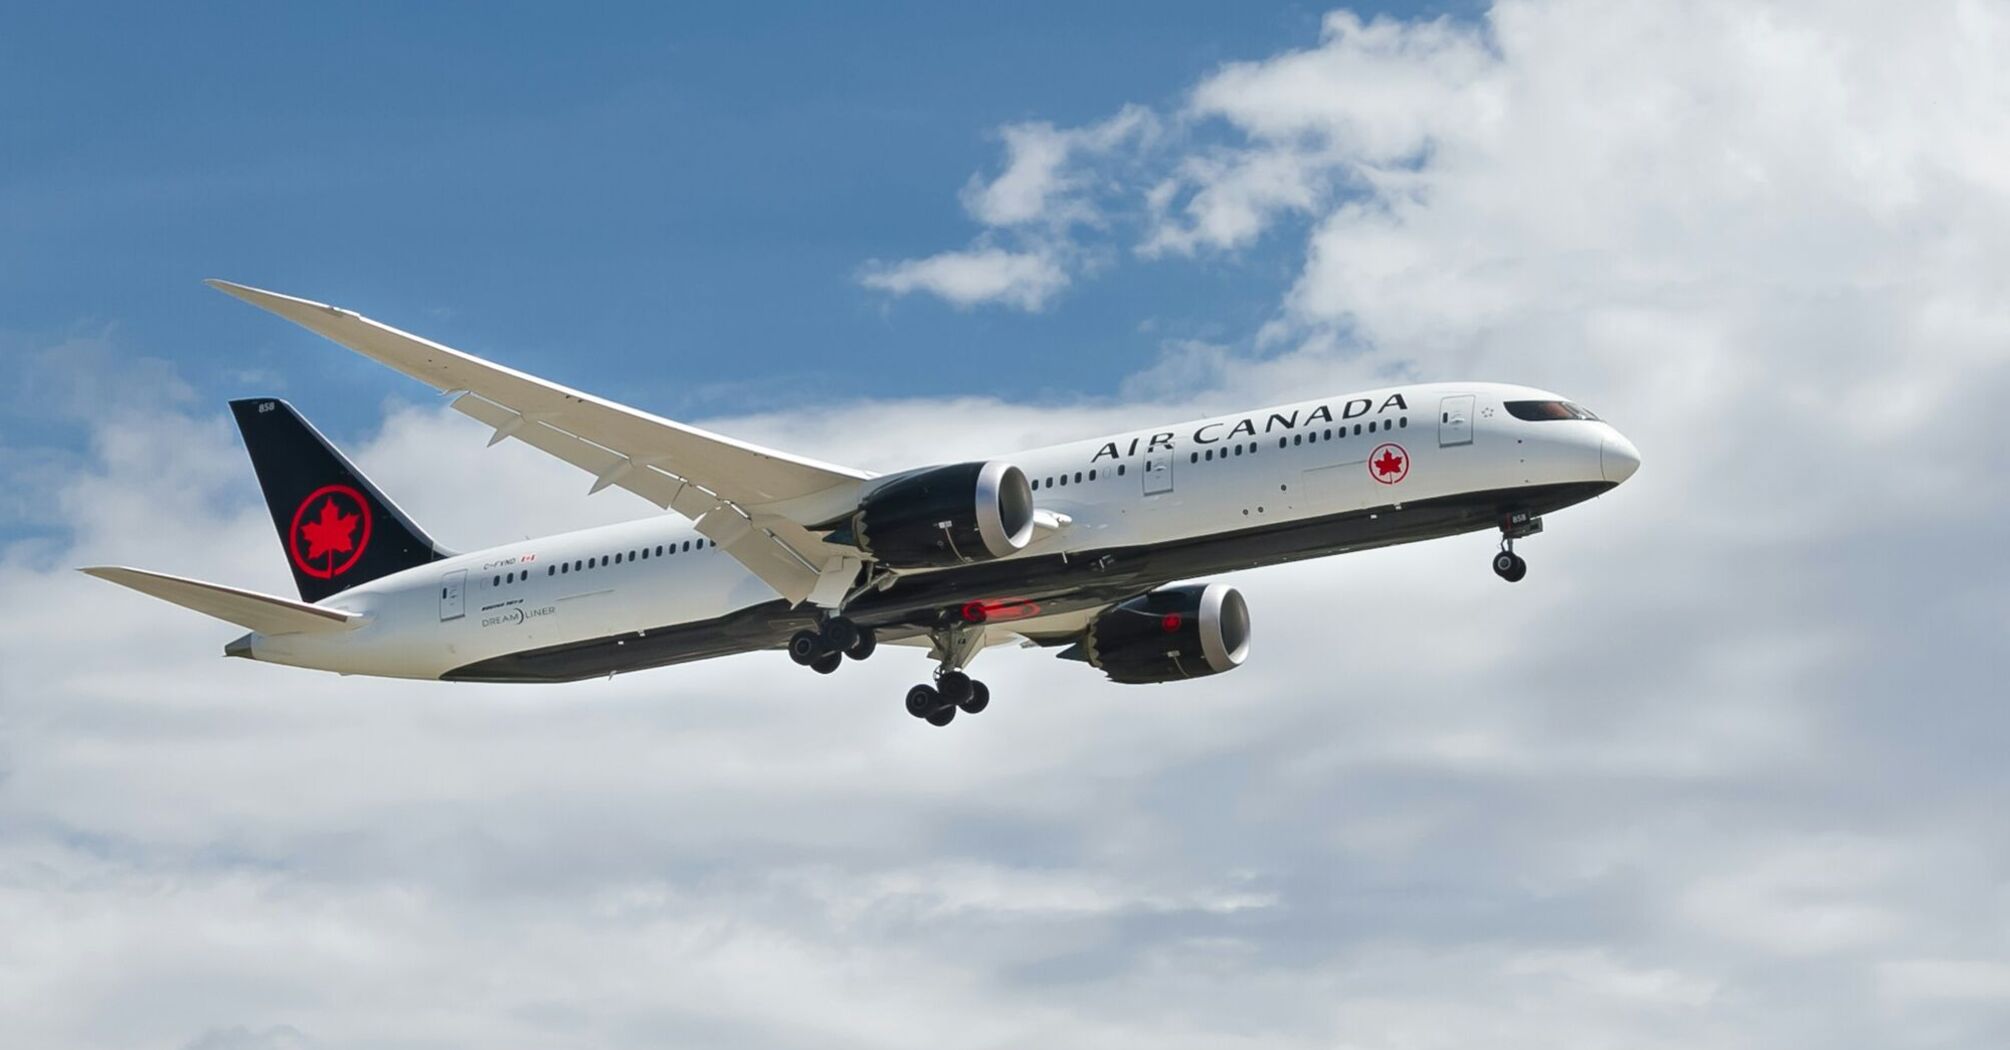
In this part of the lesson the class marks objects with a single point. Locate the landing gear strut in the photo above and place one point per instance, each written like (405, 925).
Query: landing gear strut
(824, 649)
(954, 647)
(1508, 565)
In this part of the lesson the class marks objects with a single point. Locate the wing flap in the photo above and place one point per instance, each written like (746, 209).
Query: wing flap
(264, 613)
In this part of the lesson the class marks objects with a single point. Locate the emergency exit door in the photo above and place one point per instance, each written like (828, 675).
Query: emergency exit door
(1455, 420)
(452, 603)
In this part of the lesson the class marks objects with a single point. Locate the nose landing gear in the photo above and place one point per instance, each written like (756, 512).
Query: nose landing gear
(1508, 565)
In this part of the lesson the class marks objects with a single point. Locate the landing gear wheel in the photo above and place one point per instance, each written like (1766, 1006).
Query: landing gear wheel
(805, 647)
(827, 663)
(1509, 566)
(923, 700)
(840, 634)
(942, 716)
(955, 687)
(865, 644)
(1520, 570)
(980, 698)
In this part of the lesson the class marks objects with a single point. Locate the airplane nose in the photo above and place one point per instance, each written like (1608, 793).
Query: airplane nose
(1617, 458)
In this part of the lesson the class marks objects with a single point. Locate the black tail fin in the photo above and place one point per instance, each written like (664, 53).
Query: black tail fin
(338, 530)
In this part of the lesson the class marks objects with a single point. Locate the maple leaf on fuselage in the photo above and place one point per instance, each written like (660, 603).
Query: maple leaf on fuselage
(331, 533)
(1388, 464)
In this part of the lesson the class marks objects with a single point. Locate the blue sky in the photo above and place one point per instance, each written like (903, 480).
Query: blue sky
(668, 206)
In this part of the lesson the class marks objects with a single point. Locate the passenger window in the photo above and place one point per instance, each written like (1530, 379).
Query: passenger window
(659, 550)
(1403, 421)
(1357, 430)
(701, 544)
(497, 582)
(1210, 454)
(1238, 450)
(1050, 483)
(1193, 458)
(1078, 477)
(1298, 439)
(617, 557)
(603, 561)
(1371, 428)
(1120, 470)
(1092, 475)
(687, 545)
(631, 555)
(1036, 484)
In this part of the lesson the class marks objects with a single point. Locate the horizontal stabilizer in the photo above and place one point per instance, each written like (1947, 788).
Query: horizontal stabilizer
(263, 613)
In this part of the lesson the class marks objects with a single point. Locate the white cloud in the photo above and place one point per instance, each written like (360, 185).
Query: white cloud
(967, 278)
(1049, 186)
(1048, 176)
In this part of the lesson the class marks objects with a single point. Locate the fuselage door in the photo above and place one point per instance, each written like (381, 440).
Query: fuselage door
(1158, 472)
(452, 603)
(1455, 420)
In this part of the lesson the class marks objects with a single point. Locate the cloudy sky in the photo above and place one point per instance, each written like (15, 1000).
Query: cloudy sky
(1726, 770)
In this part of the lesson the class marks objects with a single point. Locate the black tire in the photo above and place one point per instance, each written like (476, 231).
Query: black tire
(805, 647)
(943, 715)
(866, 644)
(839, 634)
(1519, 570)
(954, 687)
(923, 700)
(827, 663)
(980, 698)
(1504, 563)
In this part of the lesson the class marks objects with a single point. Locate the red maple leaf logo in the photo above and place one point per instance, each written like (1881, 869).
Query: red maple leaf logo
(334, 532)
(1390, 463)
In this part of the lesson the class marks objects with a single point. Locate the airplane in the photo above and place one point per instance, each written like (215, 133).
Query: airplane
(1080, 547)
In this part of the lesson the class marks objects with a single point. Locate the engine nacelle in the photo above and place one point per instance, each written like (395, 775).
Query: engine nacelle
(1174, 633)
(946, 516)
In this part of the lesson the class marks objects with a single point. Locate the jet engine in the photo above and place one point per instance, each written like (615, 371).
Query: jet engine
(1170, 634)
(944, 516)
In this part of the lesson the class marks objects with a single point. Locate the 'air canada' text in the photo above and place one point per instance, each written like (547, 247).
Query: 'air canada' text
(1224, 430)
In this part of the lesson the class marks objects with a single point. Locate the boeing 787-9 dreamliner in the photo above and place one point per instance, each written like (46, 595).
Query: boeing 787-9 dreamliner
(1079, 547)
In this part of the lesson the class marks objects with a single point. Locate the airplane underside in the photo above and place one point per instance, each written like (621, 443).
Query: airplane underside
(1055, 584)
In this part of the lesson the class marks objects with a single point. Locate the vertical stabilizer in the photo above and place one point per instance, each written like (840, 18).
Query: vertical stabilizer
(337, 530)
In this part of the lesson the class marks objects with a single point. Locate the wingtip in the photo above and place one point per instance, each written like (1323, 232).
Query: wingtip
(264, 299)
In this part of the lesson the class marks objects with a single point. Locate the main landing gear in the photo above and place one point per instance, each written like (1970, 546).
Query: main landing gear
(822, 650)
(1508, 565)
(953, 690)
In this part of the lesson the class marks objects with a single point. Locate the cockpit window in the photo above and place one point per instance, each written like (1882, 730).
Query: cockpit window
(1537, 411)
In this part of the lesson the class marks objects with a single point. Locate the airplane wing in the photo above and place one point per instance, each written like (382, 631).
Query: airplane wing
(263, 613)
(752, 501)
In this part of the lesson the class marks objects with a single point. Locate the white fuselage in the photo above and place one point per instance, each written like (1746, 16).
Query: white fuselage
(1222, 475)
